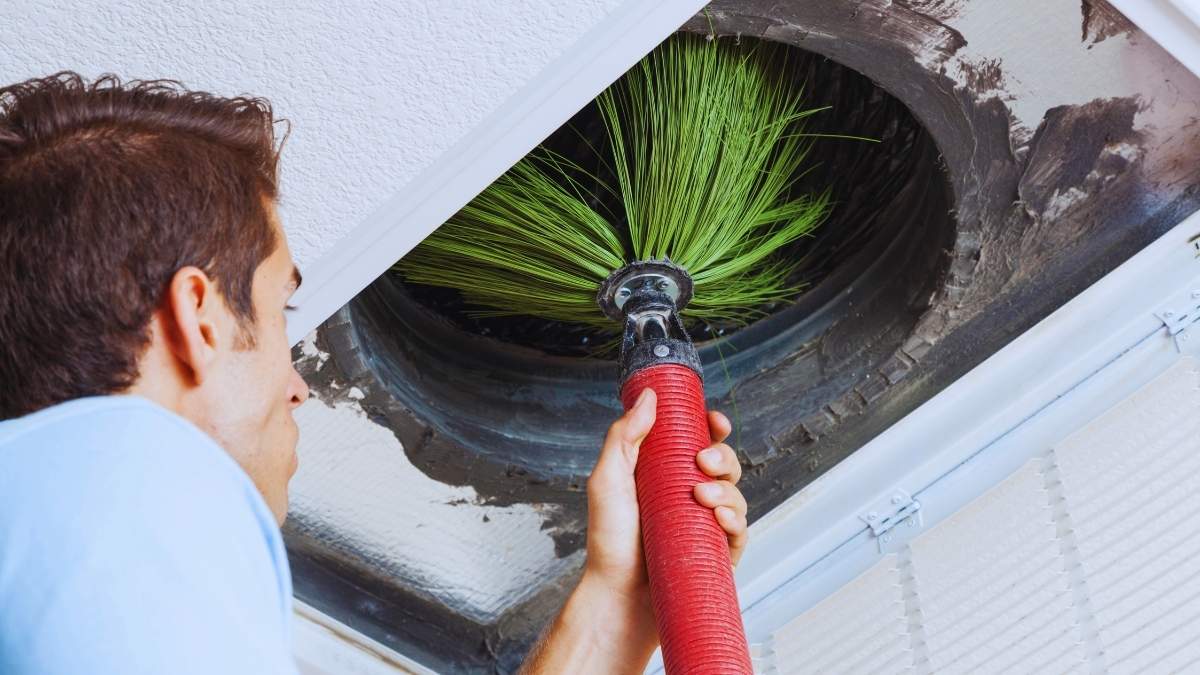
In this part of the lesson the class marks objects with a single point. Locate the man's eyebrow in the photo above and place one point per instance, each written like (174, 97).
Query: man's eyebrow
(297, 279)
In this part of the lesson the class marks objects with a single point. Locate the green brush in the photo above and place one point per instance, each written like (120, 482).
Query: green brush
(706, 142)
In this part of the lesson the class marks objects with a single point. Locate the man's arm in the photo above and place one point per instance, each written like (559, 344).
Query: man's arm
(596, 632)
(607, 624)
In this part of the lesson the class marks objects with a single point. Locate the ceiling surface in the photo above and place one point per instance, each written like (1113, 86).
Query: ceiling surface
(375, 91)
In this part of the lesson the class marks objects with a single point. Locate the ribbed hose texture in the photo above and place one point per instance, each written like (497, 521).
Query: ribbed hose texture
(687, 552)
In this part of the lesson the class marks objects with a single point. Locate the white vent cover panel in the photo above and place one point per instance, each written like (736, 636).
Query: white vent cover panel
(862, 628)
(991, 583)
(1131, 482)
(1042, 514)
(1085, 558)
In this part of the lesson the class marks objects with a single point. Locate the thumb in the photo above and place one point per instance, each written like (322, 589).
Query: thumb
(626, 434)
(637, 423)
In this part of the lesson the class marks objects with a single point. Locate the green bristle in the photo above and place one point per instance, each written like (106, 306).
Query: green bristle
(707, 142)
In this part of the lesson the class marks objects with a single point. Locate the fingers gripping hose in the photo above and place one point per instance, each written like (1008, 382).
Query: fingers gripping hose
(687, 552)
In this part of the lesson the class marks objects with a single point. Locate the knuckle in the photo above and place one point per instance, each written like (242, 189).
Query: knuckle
(725, 497)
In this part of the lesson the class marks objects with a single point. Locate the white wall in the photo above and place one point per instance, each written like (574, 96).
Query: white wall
(376, 90)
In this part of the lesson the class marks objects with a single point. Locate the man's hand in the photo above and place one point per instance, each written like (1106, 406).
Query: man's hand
(607, 625)
(614, 541)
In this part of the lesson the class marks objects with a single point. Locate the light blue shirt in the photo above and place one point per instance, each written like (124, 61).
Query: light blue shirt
(131, 543)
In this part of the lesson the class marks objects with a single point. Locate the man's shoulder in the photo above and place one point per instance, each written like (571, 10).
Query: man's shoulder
(106, 460)
(114, 422)
(111, 440)
(95, 463)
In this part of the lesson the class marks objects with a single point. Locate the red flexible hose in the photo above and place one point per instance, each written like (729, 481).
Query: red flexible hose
(687, 552)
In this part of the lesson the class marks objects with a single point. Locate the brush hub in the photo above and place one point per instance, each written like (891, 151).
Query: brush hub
(644, 285)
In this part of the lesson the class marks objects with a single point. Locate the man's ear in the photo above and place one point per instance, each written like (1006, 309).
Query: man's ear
(192, 314)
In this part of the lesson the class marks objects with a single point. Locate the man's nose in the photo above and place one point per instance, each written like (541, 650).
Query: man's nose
(297, 390)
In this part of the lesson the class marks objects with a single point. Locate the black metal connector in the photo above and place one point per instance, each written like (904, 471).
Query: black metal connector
(646, 296)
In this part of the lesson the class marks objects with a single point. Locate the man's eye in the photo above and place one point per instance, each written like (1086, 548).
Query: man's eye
(289, 308)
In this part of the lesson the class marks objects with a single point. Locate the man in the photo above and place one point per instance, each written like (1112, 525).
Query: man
(147, 388)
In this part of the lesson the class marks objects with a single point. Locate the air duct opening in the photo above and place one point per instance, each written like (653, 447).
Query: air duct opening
(863, 178)
(515, 406)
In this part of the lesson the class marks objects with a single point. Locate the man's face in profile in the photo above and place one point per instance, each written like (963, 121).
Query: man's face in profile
(255, 388)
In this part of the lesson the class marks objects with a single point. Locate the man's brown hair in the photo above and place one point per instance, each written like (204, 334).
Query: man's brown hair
(106, 190)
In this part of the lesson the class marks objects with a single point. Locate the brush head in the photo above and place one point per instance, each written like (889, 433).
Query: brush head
(698, 154)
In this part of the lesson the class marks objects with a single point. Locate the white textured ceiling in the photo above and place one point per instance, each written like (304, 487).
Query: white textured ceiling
(376, 91)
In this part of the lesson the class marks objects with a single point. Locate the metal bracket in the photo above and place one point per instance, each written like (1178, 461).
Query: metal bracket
(898, 510)
(1180, 314)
